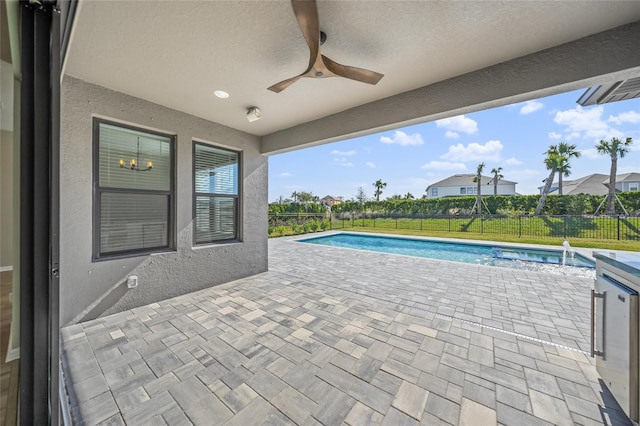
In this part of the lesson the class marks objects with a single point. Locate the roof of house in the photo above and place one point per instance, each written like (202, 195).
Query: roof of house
(625, 177)
(590, 184)
(611, 92)
(467, 180)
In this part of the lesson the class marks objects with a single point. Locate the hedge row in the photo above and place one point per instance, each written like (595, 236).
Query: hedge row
(581, 204)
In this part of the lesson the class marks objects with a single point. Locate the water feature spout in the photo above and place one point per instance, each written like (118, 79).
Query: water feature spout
(567, 249)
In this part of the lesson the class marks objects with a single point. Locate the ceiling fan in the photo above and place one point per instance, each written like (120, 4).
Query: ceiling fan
(320, 66)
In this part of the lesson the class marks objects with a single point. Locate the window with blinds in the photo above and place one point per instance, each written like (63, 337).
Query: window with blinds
(215, 193)
(133, 181)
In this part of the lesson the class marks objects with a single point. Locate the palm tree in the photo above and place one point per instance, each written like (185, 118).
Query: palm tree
(409, 196)
(294, 195)
(551, 163)
(478, 180)
(614, 148)
(566, 151)
(379, 184)
(496, 177)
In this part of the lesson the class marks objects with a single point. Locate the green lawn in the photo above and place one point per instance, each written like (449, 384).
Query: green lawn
(596, 232)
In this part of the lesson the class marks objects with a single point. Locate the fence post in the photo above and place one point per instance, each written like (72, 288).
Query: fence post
(421, 223)
(353, 220)
(618, 227)
(330, 221)
(449, 222)
(564, 227)
(519, 226)
(374, 220)
(396, 222)
(481, 225)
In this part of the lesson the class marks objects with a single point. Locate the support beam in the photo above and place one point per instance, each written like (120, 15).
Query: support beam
(610, 55)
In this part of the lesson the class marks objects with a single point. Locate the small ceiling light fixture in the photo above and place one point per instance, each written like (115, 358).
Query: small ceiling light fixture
(221, 94)
(253, 114)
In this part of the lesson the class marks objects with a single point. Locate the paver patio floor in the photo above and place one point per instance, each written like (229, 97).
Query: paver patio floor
(335, 336)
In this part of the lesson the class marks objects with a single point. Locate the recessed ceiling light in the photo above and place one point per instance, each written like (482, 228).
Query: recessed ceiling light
(221, 94)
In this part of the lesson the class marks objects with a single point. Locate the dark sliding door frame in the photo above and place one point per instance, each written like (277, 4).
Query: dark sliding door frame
(39, 211)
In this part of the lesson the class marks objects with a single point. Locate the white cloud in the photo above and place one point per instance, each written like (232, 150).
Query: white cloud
(588, 123)
(444, 165)
(591, 154)
(285, 174)
(342, 162)
(572, 135)
(451, 134)
(513, 161)
(582, 120)
(555, 136)
(343, 153)
(625, 117)
(459, 123)
(531, 106)
(490, 151)
(370, 165)
(402, 139)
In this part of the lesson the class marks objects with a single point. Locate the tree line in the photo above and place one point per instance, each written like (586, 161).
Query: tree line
(508, 205)
(557, 160)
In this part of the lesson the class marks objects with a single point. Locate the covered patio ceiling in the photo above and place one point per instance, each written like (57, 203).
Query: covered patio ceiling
(438, 59)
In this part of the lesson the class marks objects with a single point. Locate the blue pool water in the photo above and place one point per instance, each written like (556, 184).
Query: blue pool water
(479, 254)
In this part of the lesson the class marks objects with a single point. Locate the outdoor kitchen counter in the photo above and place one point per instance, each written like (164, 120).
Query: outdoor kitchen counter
(622, 262)
(617, 327)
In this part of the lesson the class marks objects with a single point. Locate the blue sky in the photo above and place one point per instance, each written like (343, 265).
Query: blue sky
(513, 137)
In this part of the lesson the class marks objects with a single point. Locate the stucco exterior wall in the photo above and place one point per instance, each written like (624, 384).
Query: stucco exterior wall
(84, 283)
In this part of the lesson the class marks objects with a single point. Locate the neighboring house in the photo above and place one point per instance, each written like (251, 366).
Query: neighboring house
(463, 184)
(596, 184)
(626, 182)
(330, 201)
(130, 166)
(590, 184)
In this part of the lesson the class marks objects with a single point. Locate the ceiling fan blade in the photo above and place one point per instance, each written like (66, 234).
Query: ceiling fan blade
(306, 12)
(279, 87)
(354, 73)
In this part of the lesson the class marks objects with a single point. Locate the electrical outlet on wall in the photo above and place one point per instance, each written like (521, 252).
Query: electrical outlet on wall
(132, 281)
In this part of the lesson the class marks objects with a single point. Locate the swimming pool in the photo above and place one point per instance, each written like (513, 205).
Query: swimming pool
(480, 254)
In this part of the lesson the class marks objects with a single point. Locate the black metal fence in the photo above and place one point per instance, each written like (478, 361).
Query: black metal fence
(592, 227)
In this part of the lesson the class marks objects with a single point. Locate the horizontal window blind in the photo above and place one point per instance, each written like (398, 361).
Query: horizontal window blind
(216, 184)
(133, 221)
(121, 144)
(215, 219)
(216, 171)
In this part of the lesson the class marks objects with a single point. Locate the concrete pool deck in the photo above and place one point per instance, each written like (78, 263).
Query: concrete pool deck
(334, 336)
